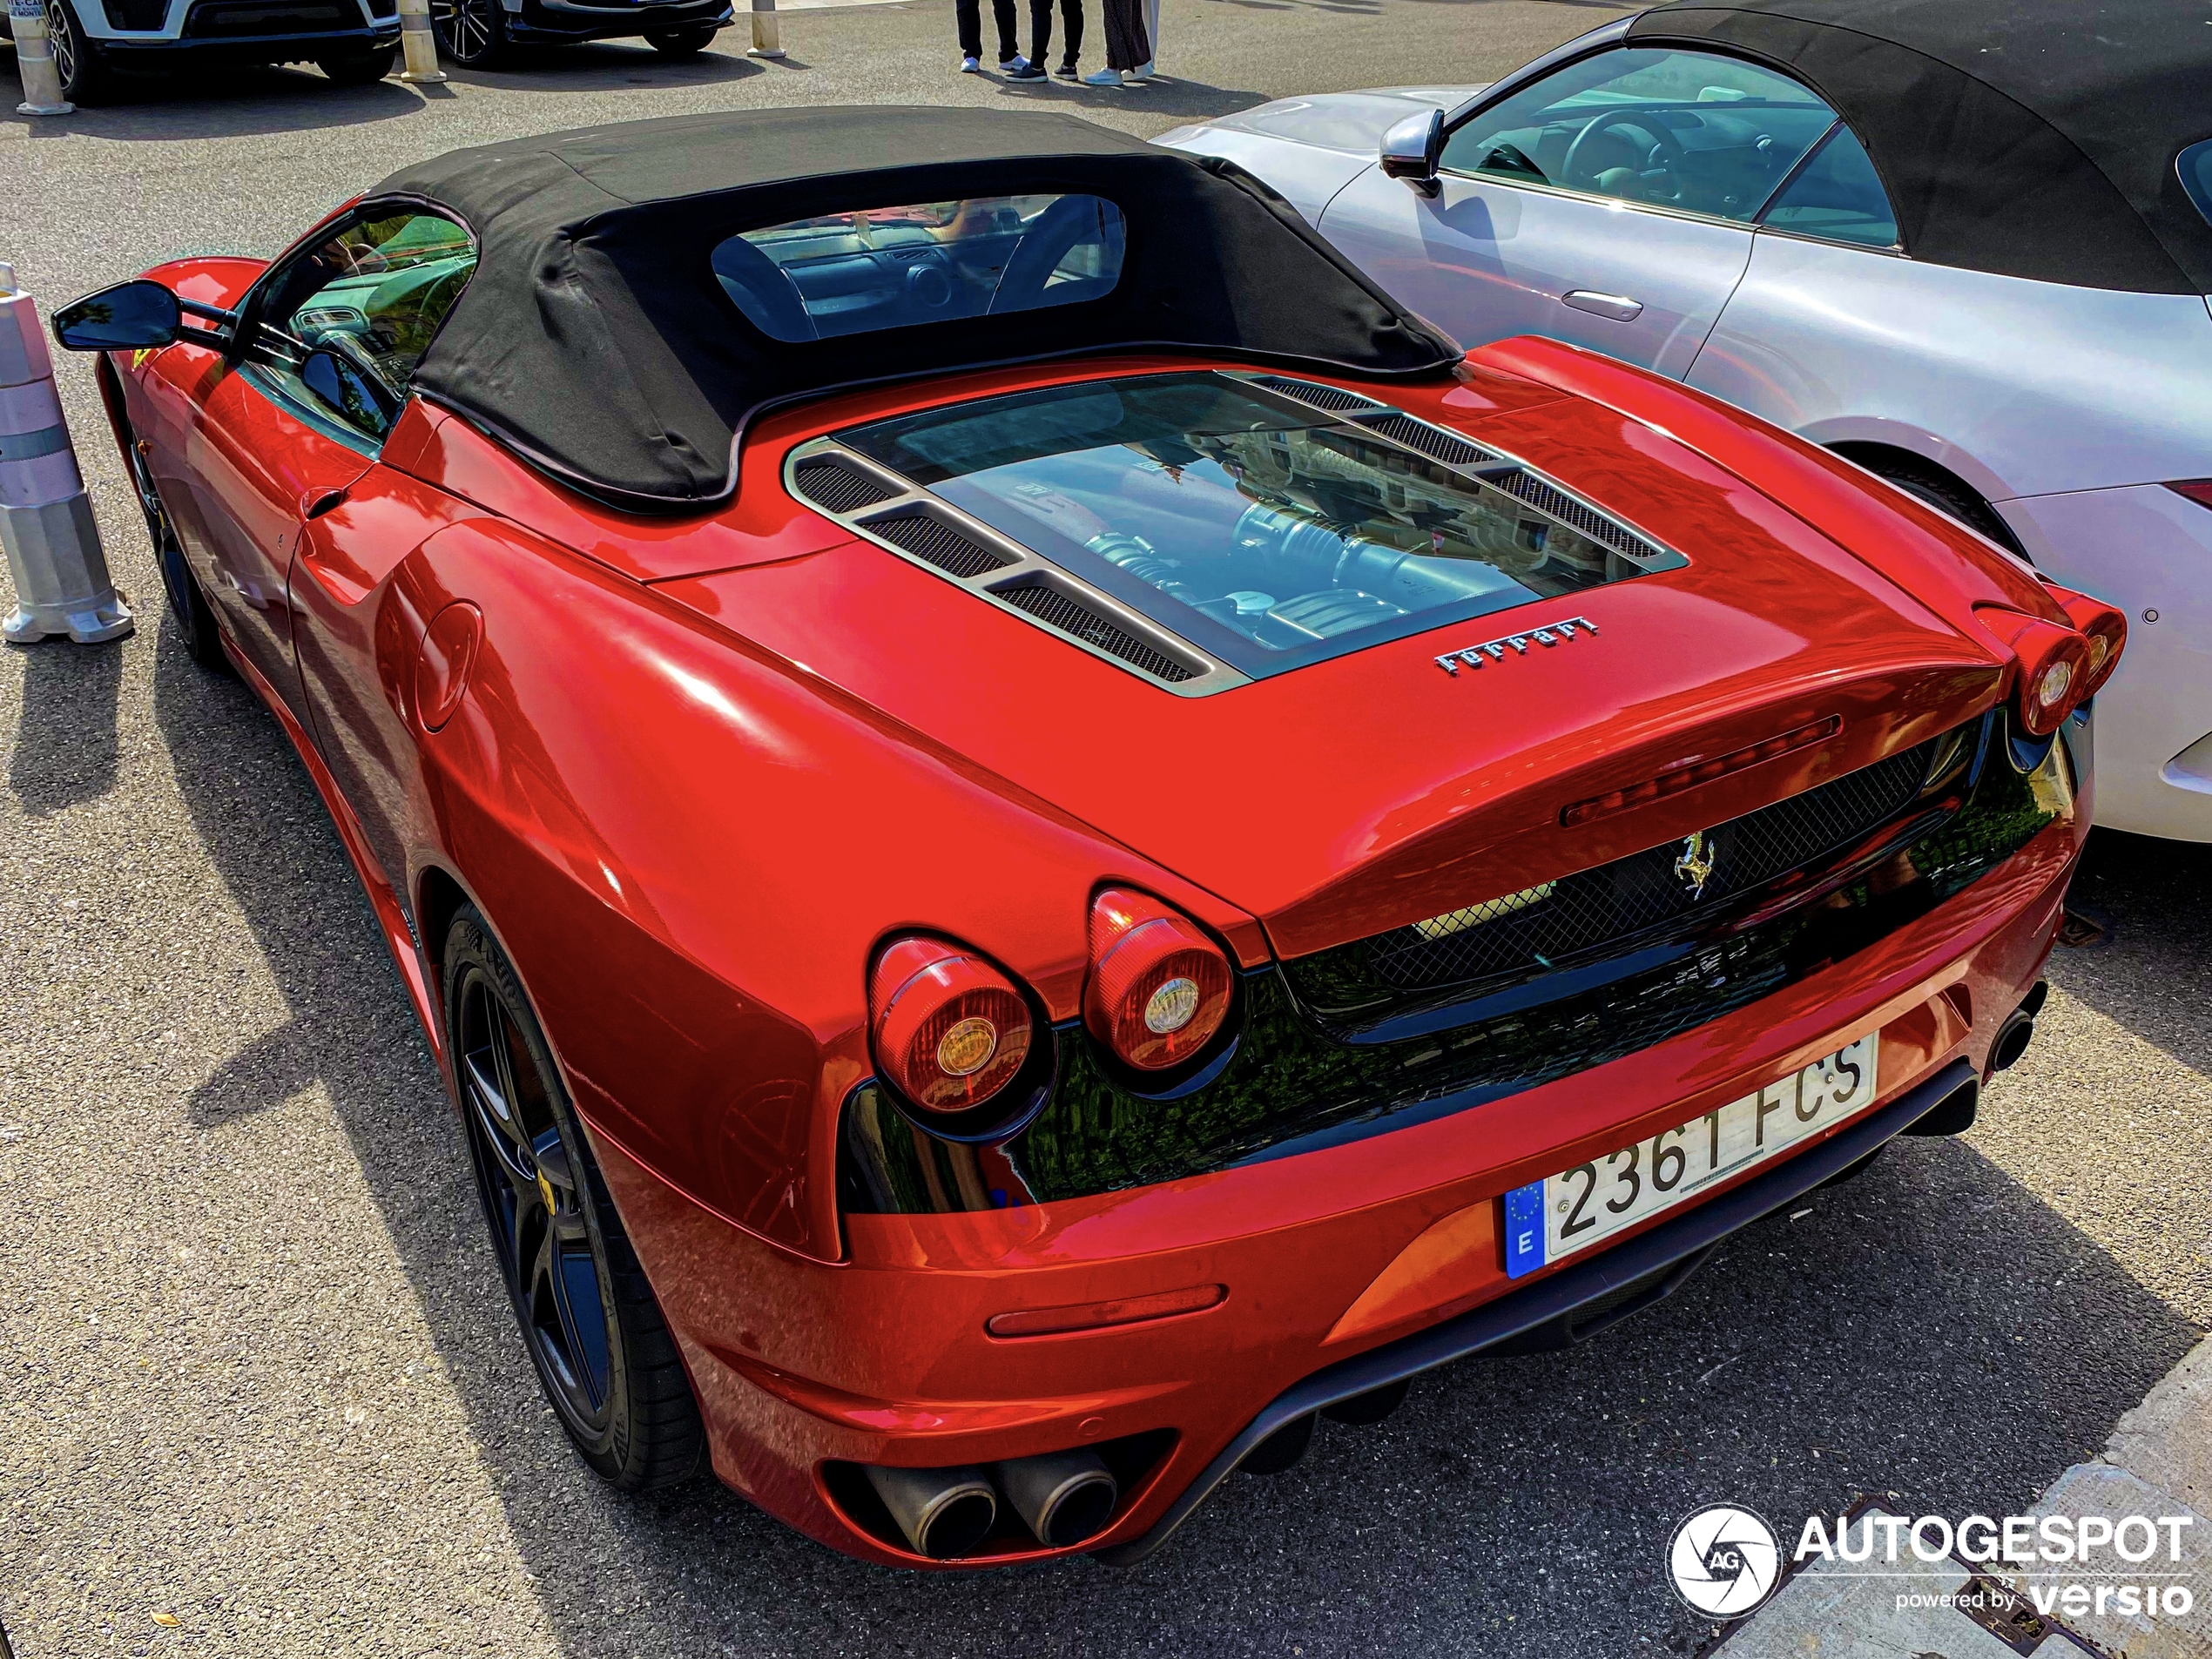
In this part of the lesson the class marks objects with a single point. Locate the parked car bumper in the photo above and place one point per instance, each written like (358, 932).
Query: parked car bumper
(126, 54)
(1386, 1247)
(551, 20)
(2147, 550)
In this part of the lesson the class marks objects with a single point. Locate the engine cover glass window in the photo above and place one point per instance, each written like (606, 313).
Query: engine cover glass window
(894, 267)
(1263, 532)
(1677, 129)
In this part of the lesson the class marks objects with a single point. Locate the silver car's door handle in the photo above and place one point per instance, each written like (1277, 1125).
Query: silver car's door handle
(1618, 307)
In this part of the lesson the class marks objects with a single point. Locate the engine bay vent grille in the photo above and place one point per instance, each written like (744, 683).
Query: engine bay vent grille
(931, 538)
(1433, 442)
(839, 486)
(1593, 523)
(1056, 610)
(1315, 395)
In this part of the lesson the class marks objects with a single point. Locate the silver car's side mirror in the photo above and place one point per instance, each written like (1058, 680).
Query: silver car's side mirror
(1411, 149)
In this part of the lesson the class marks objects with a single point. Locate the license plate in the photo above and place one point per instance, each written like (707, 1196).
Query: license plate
(1588, 1204)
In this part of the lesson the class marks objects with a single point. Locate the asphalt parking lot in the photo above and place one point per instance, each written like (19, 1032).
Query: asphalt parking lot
(260, 1393)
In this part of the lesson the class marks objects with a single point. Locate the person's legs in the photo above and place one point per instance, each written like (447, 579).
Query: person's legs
(1071, 22)
(1151, 32)
(969, 14)
(1127, 44)
(1009, 31)
(1039, 30)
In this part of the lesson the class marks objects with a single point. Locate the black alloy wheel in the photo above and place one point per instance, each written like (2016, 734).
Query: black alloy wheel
(603, 1350)
(83, 77)
(471, 32)
(680, 43)
(195, 622)
(359, 69)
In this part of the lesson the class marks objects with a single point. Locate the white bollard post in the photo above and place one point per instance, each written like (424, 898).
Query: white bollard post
(53, 546)
(418, 45)
(42, 81)
(767, 31)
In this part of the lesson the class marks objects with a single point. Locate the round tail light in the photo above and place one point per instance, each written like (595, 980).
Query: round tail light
(1159, 989)
(950, 1029)
(2054, 666)
(2106, 629)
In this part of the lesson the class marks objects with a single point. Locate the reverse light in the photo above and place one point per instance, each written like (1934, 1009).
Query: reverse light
(950, 1029)
(2106, 629)
(2054, 666)
(1159, 989)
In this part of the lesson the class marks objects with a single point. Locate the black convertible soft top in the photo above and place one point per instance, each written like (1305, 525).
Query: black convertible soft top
(595, 341)
(2028, 138)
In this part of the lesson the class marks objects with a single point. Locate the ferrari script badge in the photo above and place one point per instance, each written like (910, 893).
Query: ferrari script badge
(1493, 651)
(1694, 866)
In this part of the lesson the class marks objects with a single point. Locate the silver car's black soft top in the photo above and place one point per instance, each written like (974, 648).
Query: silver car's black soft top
(607, 337)
(2027, 138)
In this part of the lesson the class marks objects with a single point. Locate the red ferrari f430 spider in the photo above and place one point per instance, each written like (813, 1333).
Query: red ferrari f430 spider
(1040, 838)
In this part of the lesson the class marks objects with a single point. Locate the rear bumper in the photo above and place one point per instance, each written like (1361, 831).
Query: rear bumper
(883, 1358)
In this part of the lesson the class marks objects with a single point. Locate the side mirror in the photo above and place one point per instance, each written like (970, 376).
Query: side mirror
(131, 315)
(1411, 149)
(350, 393)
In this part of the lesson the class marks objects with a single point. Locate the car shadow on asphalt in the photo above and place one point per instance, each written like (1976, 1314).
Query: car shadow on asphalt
(215, 102)
(1931, 1331)
(2153, 973)
(65, 738)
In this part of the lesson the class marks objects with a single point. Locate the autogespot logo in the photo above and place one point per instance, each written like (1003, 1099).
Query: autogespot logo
(1724, 1562)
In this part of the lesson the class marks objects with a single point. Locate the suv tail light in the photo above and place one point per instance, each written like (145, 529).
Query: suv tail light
(2197, 489)
(2054, 666)
(1159, 989)
(950, 1029)
(2106, 629)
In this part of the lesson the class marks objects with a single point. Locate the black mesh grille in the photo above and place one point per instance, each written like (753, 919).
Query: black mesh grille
(233, 19)
(1429, 441)
(939, 543)
(839, 486)
(1055, 609)
(1593, 525)
(1600, 909)
(1333, 398)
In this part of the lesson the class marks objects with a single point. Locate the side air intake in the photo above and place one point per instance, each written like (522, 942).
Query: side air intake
(928, 537)
(1433, 442)
(1335, 399)
(1588, 520)
(837, 486)
(1056, 610)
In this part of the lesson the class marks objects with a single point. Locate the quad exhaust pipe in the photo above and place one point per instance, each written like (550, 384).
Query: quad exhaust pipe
(1063, 1497)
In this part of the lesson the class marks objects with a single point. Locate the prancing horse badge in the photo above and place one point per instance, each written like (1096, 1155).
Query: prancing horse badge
(1694, 867)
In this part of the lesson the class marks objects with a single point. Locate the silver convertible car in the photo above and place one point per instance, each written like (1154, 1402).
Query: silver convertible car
(1966, 243)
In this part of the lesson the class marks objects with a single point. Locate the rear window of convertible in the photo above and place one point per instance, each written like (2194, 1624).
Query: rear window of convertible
(891, 267)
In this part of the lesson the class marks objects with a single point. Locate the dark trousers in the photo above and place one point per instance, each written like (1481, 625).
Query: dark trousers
(971, 28)
(1127, 44)
(1071, 19)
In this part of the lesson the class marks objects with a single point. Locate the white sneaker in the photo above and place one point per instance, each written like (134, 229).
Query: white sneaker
(1006, 66)
(1145, 72)
(1103, 77)
(971, 65)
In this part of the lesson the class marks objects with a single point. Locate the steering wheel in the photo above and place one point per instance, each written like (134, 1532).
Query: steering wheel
(1037, 255)
(350, 347)
(1661, 135)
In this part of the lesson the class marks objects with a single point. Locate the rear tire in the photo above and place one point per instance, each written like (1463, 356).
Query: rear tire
(678, 44)
(359, 69)
(473, 33)
(603, 1350)
(1944, 493)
